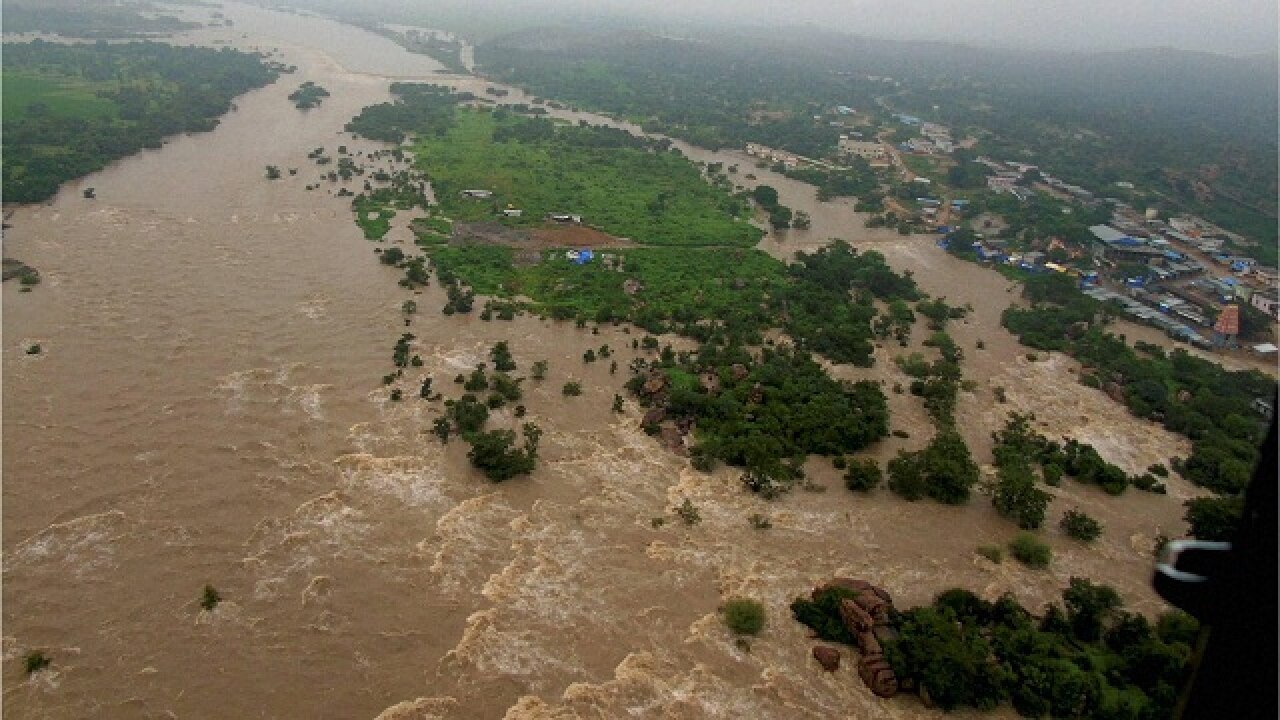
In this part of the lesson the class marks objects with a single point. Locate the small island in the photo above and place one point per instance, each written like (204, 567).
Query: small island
(308, 95)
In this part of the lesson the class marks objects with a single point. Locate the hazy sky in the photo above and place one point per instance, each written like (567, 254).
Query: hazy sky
(1233, 27)
(1225, 26)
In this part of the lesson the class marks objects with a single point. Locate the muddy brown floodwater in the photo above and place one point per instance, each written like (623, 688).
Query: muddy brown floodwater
(207, 409)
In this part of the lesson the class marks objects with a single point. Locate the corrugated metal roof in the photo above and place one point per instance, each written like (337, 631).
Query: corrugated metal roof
(1106, 233)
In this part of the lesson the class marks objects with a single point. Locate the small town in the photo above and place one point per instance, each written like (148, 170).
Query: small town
(1177, 273)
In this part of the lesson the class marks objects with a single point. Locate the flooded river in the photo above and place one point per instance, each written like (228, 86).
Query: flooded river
(208, 408)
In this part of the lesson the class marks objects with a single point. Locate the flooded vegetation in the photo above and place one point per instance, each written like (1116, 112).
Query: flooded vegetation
(349, 443)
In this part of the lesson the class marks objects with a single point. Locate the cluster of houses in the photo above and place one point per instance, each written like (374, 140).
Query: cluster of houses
(1012, 177)
(788, 159)
(1180, 307)
(773, 155)
(934, 139)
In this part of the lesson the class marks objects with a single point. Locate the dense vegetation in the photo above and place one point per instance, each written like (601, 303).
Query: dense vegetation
(689, 290)
(71, 109)
(1085, 658)
(418, 108)
(104, 21)
(713, 94)
(762, 413)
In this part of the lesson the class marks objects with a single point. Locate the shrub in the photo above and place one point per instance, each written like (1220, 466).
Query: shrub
(991, 552)
(477, 381)
(1149, 483)
(469, 414)
(33, 349)
(760, 522)
(944, 470)
(839, 462)
(572, 389)
(392, 256)
(1016, 496)
(495, 454)
(500, 354)
(210, 598)
(863, 475)
(1159, 470)
(743, 616)
(1080, 526)
(539, 370)
(688, 513)
(35, 661)
(1030, 550)
(441, 427)
(1052, 475)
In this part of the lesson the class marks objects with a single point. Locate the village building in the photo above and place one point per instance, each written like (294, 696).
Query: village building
(767, 153)
(1268, 301)
(865, 149)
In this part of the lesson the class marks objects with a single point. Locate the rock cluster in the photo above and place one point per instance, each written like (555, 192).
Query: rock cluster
(866, 617)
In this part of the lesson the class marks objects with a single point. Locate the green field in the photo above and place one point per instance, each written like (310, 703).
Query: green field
(618, 185)
(34, 94)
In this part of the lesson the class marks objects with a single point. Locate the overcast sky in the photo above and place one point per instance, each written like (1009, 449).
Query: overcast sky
(1226, 26)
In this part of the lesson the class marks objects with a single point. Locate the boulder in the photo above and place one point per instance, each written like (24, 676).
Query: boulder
(876, 673)
(827, 657)
(710, 382)
(654, 416)
(674, 441)
(855, 619)
(656, 383)
(868, 644)
(1114, 391)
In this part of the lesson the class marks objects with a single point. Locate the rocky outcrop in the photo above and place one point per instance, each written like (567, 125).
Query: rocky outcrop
(655, 383)
(827, 657)
(673, 440)
(1114, 391)
(876, 673)
(710, 382)
(865, 616)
